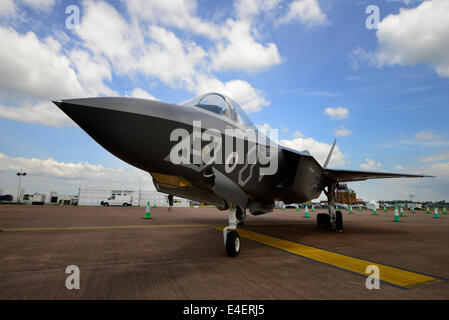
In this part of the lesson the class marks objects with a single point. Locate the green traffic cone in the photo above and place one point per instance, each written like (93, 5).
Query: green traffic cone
(147, 212)
(306, 214)
(313, 208)
(374, 212)
(444, 210)
(436, 215)
(396, 215)
(402, 212)
(413, 210)
(297, 209)
(385, 209)
(154, 205)
(428, 211)
(350, 210)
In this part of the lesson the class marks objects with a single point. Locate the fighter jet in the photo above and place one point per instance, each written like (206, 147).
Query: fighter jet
(206, 149)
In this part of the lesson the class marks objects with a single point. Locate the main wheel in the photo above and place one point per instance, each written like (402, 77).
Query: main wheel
(338, 221)
(232, 244)
(106, 204)
(125, 204)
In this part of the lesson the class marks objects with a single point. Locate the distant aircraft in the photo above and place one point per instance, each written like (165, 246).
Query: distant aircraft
(207, 150)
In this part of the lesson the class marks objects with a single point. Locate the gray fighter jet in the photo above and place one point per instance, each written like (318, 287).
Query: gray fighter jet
(207, 150)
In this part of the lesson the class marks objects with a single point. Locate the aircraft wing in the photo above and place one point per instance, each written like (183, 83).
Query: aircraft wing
(350, 175)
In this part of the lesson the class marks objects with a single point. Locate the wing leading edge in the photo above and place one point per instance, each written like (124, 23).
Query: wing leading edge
(350, 175)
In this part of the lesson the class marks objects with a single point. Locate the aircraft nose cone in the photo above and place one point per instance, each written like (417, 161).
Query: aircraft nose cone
(58, 103)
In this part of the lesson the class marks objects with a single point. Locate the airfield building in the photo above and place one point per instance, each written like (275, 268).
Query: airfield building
(346, 195)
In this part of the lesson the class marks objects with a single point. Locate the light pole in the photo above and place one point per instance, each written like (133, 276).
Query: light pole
(20, 174)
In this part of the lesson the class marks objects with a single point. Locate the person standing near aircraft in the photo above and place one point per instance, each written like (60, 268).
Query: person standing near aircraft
(170, 202)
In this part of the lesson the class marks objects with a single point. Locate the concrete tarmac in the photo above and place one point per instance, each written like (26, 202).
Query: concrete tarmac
(181, 256)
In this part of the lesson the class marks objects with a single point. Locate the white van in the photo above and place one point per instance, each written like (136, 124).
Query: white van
(117, 200)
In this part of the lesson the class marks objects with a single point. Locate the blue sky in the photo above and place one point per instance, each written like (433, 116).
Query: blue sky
(309, 68)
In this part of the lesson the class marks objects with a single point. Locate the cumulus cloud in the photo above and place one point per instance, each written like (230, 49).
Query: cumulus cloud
(307, 12)
(7, 8)
(317, 149)
(370, 165)
(414, 36)
(49, 174)
(337, 113)
(343, 132)
(40, 5)
(240, 51)
(140, 93)
(34, 68)
(43, 112)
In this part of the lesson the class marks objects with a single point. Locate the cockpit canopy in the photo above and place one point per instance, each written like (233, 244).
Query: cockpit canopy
(221, 105)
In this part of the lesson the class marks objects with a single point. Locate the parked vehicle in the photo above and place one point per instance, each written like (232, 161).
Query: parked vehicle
(117, 200)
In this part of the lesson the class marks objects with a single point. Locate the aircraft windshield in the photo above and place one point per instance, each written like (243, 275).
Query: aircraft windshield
(221, 105)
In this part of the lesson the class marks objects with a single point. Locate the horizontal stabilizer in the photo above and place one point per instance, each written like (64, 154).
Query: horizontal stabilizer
(350, 175)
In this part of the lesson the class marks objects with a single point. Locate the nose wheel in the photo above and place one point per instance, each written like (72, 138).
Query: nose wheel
(233, 244)
(231, 237)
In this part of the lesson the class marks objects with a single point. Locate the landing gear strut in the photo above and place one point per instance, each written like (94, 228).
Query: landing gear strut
(231, 238)
(334, 217)
(241, 215)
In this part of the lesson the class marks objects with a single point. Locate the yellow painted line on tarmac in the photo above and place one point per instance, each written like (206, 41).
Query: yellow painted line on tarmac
(105, 227)
(395, 276)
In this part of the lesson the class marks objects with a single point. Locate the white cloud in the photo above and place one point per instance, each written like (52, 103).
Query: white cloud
(92, 73)
(40, 5)
(264, 127)
(242, 92)
(370, 165)
(317, 149)
(140, 93)
(44, 112)
(170, 59)
(424, 189)
(52, 175)
(337, 113)
(158, 52)
(426, 138)
(307, 12)
(436, 157)
(416, 35)
(399, 167)
(33, 68)
(342, 131)
(240, 51)
(7, 8)
(175, 13)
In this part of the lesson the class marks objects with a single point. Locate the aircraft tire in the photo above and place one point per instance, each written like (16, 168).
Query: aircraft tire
(105, 204)
(338, 221)
(232, 244)
(323, 221)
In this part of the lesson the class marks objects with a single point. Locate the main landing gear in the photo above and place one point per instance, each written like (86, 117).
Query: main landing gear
(231, 237)
(325, 221)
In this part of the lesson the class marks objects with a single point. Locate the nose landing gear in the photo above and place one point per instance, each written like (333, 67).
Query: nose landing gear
(231, 238)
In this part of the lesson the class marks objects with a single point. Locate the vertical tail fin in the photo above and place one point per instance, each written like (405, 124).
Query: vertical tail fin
(330, 155)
